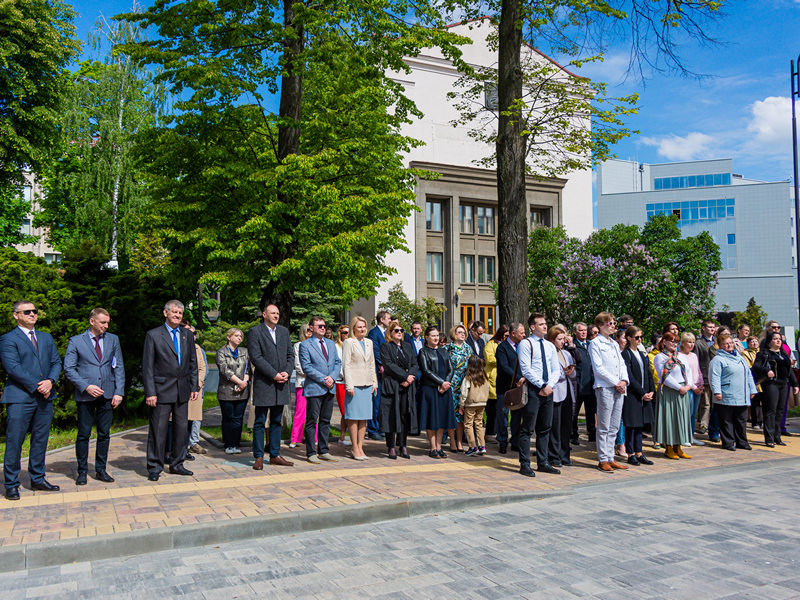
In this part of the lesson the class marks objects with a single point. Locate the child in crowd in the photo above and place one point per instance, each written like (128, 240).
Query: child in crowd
(474, 394)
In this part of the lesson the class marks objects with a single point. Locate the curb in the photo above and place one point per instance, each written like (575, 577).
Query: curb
(46, 554)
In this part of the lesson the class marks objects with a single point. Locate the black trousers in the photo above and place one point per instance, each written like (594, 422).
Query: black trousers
(157, 435)
(772, 402)
(756, 417)
(95, 411)
(536, 416)
(633, 440)
(590, 408)
(400, 437)
(732, 425)
(318, 409)
(560, 431)
(491, 413)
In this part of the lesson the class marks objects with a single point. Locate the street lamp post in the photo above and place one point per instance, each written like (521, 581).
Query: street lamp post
(795, 71)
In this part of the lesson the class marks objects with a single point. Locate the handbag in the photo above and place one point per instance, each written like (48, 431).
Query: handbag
(517, 397)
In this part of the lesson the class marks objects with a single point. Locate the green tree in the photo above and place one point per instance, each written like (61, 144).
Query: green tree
(37, 42)
(426, 311)
(94, 188)
(651, 273)
(753, 315)
(655, 30)
(13, 209)
(307, 200)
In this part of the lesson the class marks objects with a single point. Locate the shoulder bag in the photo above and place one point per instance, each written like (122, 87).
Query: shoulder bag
(517, 397)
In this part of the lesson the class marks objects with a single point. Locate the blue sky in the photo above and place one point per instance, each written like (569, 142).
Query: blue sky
(741, 110)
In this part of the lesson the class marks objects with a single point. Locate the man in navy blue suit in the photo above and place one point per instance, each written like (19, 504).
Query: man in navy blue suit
(506, 355)
(93, 363)
(378, 336)
(31, 360)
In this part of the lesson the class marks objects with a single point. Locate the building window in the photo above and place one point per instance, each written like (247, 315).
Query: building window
(485, 220)
(27, 193)
(467, 269)
(486, 314)
(486, 269)
(52, 258)
(490, 98)
(26, 227)
(465, 215)
(731, 238)
(433, 216)
(540, 217)
(434, 266)
(691, 181)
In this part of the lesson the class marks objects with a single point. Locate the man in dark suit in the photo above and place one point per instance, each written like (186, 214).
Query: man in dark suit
(475, 338)
(321, 363)
(378, 336)
(169, 377)
(272, 357)
(506, 356)
(585, 384)
(93, 363)
(31, 360)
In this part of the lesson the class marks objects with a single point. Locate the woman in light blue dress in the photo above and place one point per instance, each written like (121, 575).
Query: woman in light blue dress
(360, 383)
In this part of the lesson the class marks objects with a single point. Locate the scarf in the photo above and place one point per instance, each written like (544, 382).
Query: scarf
(672, 362)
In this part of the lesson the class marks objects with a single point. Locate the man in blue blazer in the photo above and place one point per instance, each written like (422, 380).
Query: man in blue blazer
(378, 336)
(321, 363)
(93, 363)
(31, 360)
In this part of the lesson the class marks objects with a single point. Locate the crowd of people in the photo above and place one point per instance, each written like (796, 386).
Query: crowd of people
(461, 389)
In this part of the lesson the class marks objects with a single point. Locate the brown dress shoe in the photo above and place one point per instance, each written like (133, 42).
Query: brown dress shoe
(280, 461)
(615, 465)
(604, 466)
(259, 464)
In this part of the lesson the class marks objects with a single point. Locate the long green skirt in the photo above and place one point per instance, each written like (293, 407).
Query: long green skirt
(673, 414)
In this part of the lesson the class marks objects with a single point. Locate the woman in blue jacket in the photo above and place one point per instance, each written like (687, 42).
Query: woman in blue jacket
(733, 387)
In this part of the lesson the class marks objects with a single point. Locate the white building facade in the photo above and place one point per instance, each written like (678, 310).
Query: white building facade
(453, 236)
(31, 191)
(751, 221)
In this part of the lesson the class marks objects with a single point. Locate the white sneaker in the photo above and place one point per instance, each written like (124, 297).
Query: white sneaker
(237, 450)
(230, 451)
(345, 443)
(292, 445)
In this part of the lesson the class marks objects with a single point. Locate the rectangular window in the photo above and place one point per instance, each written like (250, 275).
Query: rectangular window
(717, 178)
(667, 184)
(692, 181)
(433, 216)
(486, 315)
(467, 314)
(726, 179)
(540, 217)
(731, 238)
(659, 183)
(467, 268)
(465, 215)
(709, 180)
(485, 269)
(27, 193)
(490, 99)
(434, 266)
(485, 220)
(52, 258)
(26, 227)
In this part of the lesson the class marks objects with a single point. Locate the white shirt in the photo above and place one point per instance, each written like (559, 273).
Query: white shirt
(272, 333)
(530, 361)
(674, 379)
(607, 364)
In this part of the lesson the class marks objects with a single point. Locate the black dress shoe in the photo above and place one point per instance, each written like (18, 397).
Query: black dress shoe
(392, 453)
(780, 443)
(12, 494)
(180, 471)
(527, 472)
(789, 433)
(643, 460)
(769, 445)
(404, 453)
(103, 476)
(503, 449)
(514, 448)
(731, 448)
(556, 463)
(575, 441)
(153, 476)
(547, 468)
(441, 453)
(44, 486)
(189, 456)
(566, 463)
(748, 447)
(81, 479)
(632, 460)
(433, 454)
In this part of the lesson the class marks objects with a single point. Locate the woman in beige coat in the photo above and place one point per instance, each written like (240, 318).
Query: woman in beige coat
(233, 391)
(360, 382)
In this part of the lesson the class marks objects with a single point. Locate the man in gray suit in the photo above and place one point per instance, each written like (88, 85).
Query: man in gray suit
(321, 364)
(93, 363)
(272, 357)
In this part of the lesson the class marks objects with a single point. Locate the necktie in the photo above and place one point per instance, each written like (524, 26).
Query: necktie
(545, 373)
(324, 350)
(33, 339)
(97, 349)
(176, 342)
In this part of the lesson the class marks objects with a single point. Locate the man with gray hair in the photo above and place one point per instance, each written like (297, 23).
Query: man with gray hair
(169, 377)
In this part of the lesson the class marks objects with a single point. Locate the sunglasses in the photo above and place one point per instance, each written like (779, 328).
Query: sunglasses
(344, 332)
(398, 330)
(323, 326)
(637, 337)
(30, 311)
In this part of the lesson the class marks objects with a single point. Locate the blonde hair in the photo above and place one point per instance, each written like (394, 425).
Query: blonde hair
(233, 330)
(452, 332)
(390, 329)
(354, 321)
(554, 331)
(602, 319)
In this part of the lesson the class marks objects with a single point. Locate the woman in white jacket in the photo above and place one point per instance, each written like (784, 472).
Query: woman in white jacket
(563, 395)
(360, 383)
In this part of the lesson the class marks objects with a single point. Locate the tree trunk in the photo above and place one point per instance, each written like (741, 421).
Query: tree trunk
(512, 235)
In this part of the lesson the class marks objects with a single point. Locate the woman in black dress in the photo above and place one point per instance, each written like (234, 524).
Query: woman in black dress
(773, 370)
(637, 411)
(436, 408)
(398, 400)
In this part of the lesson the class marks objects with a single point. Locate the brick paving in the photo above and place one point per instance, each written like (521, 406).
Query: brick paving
(225, 487)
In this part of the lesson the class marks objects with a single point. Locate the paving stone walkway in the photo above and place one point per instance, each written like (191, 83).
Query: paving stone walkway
(224, 487)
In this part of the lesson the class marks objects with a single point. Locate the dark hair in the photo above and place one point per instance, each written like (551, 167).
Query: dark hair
(619, 334)
(768, 338)
(313, 320)
(428, 330)
(19, 303)
(656, 339)
(670, 324)
(500, 333)
(477, 324)
(631, 331)
(476, 373)
(533, 317)
(380, 314)
(626, 317)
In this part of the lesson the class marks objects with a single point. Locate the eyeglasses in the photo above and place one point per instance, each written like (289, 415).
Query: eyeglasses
(637, 337)
(398, 330)
(611, 323)
(773, 326)
(30, 311)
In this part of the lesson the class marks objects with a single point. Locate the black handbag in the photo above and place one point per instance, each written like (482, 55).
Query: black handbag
(517, 397)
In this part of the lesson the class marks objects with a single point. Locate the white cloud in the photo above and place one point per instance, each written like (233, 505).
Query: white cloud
(693, 146)
(771, 122)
